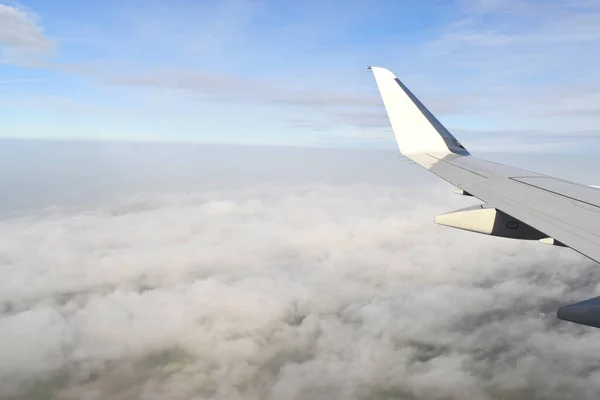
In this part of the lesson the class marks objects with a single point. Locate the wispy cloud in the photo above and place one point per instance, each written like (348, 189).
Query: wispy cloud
(489, 56)
(20, 36)
(18, 80)
(486, 66)
(227, 88)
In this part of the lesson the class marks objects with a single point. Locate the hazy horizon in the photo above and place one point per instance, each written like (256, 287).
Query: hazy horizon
(42, 173)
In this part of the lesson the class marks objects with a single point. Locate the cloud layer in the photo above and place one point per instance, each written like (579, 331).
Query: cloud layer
(297, 292)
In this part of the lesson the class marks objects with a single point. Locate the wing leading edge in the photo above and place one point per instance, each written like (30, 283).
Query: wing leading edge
(519, 204)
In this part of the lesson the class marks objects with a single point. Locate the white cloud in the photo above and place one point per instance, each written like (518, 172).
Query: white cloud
(304, 291)
(20, 35)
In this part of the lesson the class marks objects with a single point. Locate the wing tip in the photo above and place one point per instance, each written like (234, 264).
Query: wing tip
(431, 136)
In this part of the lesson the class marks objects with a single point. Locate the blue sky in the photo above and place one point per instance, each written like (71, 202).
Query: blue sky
(502, 75)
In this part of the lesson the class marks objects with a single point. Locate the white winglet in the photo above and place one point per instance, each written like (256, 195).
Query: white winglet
(416, 130)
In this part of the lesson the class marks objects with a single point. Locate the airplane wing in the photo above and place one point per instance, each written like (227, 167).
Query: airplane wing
(518, 204)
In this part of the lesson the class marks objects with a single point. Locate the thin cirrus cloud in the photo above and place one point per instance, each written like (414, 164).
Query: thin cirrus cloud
(516, 66)
(227, 88)
(17, 80)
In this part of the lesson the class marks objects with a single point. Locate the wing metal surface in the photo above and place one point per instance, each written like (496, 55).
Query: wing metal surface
(553, 210)
(565, 211)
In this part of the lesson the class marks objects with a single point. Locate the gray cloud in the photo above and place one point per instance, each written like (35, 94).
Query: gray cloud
(19, 34)
(530, 141)
(374, 118)
(286, 292)
(359, 110)
(228, 87)
(578, 20)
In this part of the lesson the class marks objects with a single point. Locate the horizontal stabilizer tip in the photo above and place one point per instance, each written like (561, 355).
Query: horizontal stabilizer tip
(585, 312)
